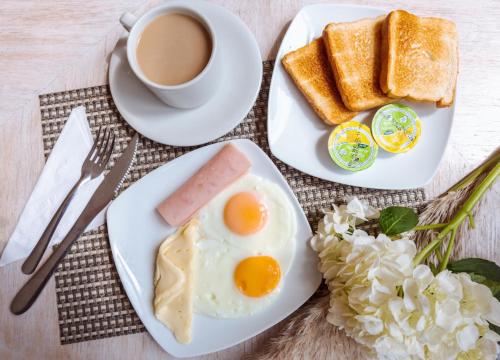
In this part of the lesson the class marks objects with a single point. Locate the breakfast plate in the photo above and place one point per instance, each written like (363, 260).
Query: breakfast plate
(236, 94)
(136, 231)
(299, 138)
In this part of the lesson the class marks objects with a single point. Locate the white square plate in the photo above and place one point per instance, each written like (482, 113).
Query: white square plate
(136, 231)
(299, 138)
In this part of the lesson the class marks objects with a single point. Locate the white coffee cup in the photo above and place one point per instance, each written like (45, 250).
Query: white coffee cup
(192, 93)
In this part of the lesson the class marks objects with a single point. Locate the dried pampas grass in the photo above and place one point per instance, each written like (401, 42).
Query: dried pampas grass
(308, 336)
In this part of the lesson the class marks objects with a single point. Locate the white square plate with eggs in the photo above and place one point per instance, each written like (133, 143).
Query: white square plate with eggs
(299, 138)
(136, 231)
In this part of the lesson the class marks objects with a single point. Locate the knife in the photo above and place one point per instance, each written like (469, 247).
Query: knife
(102, 196)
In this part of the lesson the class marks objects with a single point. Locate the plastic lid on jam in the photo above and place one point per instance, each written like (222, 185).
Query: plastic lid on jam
(396, 128)
(352, 147)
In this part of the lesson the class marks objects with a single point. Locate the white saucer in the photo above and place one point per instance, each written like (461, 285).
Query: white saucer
(238, 89)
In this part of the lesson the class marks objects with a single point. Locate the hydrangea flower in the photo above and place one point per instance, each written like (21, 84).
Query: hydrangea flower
(394, 309)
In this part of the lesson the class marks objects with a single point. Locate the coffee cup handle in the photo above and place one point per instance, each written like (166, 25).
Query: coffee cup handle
(128, 20)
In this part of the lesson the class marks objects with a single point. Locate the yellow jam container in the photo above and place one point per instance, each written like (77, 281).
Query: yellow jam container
(396, 128)
(352, 147)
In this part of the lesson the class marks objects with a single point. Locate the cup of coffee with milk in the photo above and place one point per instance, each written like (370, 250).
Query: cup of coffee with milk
(173, 50)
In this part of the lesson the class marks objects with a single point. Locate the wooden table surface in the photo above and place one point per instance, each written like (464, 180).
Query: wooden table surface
(56, 45)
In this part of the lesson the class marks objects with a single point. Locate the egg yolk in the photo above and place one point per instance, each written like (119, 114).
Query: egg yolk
(257, 276)
(244, 214)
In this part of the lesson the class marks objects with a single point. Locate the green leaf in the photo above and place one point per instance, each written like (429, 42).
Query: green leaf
(478, 266)
(397, 219)
(481, 271)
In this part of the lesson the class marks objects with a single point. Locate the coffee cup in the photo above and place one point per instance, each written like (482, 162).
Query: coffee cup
(173, 51)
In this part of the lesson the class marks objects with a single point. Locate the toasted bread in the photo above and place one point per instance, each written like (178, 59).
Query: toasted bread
(309, 69)
(354, 53)
(419, 58)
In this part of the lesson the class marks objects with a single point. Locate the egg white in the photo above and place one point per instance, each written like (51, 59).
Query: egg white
(220, 250)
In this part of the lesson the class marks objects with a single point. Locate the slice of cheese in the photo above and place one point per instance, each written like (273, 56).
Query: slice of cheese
(173, 302)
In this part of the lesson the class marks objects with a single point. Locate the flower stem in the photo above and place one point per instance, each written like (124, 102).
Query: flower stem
(430, 247)
(460, 216)
(488, 164)
(433, 268)
(476, 195)
(429, 227)
(472, 225)
(437, 252)
(444, 263)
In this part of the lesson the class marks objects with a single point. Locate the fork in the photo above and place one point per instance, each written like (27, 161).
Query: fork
(93, 166)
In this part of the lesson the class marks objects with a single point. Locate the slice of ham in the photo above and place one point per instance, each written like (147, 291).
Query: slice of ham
(224, 168)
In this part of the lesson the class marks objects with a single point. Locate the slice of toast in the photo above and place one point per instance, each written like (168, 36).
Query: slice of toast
(354, 53)
(309, 69)
(419, 58)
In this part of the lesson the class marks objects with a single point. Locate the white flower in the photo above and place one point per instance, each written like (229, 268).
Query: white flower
(393, 308)
(448, 314)
(371, 324)
(363, 273)
(477, 299)
(341, 221)
(467, 337)
(361, 209)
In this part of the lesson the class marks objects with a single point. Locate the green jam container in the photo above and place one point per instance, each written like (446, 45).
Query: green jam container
(396, 128)
(352, 147)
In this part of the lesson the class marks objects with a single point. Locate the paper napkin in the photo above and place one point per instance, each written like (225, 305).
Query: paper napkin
(62, 170)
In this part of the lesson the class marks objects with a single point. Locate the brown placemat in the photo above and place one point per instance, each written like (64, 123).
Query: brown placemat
(91, 302)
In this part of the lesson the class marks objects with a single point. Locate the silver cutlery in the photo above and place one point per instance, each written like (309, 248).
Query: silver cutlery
(93, 166)
(27, 295)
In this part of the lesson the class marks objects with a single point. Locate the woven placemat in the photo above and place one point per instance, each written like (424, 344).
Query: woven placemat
(91, 302)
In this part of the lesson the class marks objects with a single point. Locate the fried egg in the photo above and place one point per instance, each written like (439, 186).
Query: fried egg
(245, 248)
